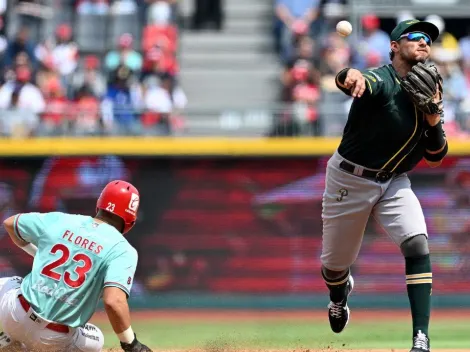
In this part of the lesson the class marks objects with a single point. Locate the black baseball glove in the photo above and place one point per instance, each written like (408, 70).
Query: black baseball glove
(422, 83)
(135, 346)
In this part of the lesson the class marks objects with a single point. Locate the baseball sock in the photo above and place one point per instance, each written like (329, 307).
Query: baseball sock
(419, 287)
(337, 287)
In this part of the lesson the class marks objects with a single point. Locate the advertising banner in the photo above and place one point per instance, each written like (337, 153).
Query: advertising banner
(239, 225)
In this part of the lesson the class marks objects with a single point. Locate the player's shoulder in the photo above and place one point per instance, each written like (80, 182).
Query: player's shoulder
(71, 219)
(48, 217)
(124, 249)
(377, 74)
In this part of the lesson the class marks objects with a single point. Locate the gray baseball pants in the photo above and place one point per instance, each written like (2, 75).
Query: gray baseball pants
(349, 200)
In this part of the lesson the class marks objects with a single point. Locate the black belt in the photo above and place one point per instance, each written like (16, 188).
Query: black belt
(379, 176)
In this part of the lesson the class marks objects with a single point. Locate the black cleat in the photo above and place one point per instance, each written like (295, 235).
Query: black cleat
(420, 343)
(338, 313)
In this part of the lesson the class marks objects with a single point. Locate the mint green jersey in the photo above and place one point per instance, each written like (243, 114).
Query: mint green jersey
(76, 258)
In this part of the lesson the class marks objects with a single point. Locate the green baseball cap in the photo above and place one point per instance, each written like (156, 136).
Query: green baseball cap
(413, 25)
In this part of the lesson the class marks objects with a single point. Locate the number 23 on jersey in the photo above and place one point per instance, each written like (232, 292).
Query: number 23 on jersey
(79, 273)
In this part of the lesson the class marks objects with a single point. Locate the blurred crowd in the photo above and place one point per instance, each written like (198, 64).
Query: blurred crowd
(53, 86)
(93, 74)
(312, 53)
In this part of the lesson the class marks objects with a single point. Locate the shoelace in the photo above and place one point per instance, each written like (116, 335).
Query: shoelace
(336, 309)
(421, 342)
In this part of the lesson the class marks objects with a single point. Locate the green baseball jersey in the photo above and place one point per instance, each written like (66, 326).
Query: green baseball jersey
(384, 129)
(77, 257)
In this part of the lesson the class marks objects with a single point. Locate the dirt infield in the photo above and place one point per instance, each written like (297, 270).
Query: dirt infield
(307, 350)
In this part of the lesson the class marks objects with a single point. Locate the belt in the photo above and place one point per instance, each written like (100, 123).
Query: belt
(379, 176)
(51, 326)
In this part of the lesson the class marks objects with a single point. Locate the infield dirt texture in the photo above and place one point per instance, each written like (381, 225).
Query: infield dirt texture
(288, 331)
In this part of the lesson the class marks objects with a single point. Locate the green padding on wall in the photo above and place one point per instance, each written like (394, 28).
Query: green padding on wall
(200, 301)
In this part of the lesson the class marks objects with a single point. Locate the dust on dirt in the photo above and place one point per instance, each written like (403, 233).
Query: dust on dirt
(226, 348)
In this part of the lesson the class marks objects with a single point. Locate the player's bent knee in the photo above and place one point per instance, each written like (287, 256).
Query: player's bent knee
(333, 274)
(415, 246)
(90, 339)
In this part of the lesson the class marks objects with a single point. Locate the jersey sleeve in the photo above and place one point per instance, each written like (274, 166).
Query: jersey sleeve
(121, 269)
(374, 83)
(30, 226)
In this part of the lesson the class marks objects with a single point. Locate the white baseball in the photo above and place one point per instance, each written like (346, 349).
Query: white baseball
(344, 28)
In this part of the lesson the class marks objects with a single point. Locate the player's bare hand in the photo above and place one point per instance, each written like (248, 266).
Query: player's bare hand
(356, 82)
(135, 346)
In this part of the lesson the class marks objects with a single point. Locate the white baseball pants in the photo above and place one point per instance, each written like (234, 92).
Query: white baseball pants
(28, 328)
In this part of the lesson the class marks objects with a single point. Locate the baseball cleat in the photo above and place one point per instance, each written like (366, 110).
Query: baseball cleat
(420, 343)
(338, 313)
(5, 340)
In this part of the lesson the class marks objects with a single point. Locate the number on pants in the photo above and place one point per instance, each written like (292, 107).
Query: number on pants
(80, 271)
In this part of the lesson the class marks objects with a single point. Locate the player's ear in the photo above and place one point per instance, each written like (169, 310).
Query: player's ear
(393, 49)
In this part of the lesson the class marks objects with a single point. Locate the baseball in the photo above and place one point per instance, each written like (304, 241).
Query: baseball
(344, 28)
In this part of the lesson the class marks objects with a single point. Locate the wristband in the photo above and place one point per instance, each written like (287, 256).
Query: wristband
(31, 249)
(434, 137)
(438, 156)
(340, 78)
(127, 336)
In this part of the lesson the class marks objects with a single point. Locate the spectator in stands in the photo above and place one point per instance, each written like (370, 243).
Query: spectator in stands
(65, 52)
(305, 50)
(29, 96)
(455, 92)
(87, 112)
(121, 104)
(373, 47)
(93, 7)
(17, 121)
(124, 54)
(56, 118)
(3, 39)
(464, 44)
(20, 43)
(446, 47)
(296, 17)
(159, 12)
(46, 74)
(336, 55)
(164, 104)
(89, 77)
(305, 96)
(60, 53)
(157, 64)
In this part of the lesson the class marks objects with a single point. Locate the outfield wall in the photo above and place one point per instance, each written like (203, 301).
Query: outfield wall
(236, 223)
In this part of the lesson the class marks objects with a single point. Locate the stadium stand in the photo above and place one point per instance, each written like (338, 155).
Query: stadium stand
(160, 67)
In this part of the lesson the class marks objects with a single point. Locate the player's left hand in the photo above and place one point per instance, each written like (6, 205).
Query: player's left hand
(135, 346)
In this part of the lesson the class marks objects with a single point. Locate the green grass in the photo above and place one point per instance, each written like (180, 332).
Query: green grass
(289, 334)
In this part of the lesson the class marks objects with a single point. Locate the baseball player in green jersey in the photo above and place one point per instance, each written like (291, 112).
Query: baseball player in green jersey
(385, 136)
(77, 260)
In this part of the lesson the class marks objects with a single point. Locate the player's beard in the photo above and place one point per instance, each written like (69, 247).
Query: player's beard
(412, 58)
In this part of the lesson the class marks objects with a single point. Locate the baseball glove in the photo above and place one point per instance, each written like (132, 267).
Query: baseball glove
(422, 83)
(134, 346)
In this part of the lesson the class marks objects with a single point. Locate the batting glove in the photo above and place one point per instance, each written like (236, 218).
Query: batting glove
(134, 346)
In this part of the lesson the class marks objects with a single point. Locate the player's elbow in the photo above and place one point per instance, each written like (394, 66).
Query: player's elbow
(114, 298)
(8, 224)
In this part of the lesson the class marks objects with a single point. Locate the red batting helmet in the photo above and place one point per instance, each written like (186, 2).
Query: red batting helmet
(122, 199)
